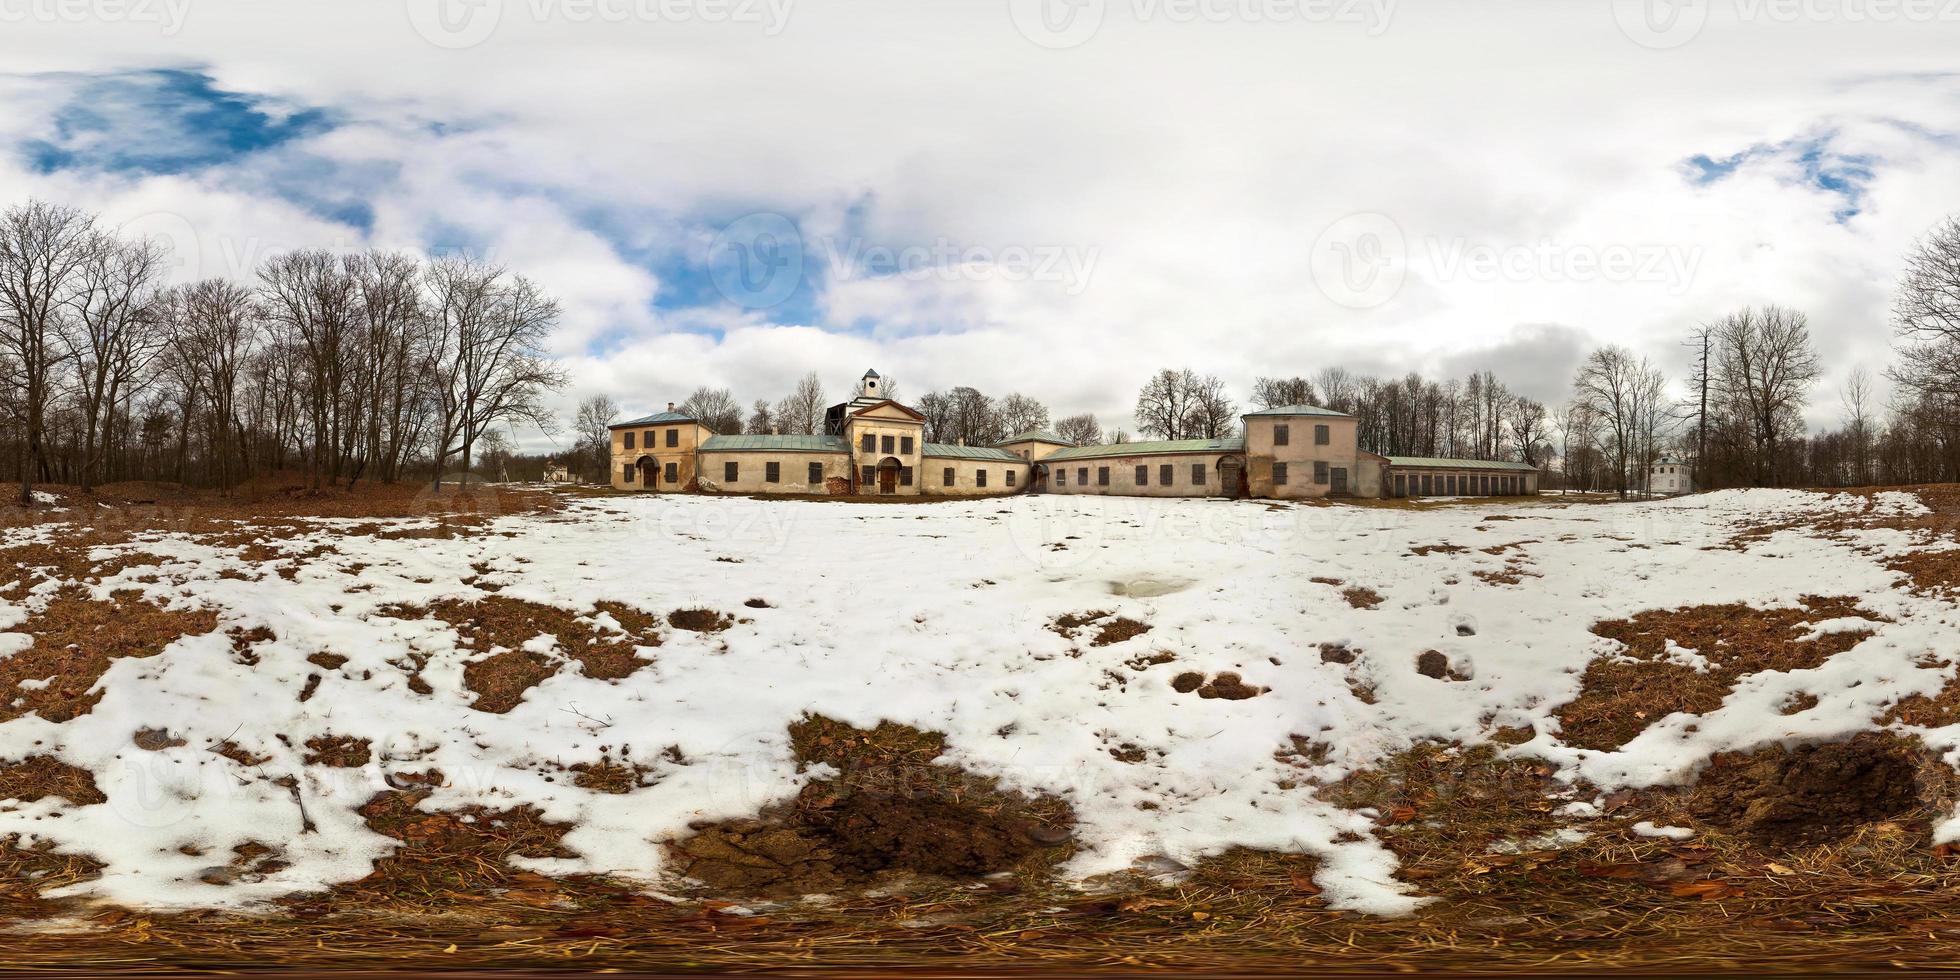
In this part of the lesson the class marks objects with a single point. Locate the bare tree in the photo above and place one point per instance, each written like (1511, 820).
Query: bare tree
(1020, 413)
(715, 408)
(594, 424)
(388, 286)
(1080, 430)
(485, 354)
(972, 419)
(1213, 414)
(112, 335)
(1765, 367)
(1857, 398)
(762, 418)
(309, 295)
(1926, 314)
(1164, 404)
(801, 411)
(43, 248)
(1528, 428)
(217, 325)
(1608, 388)
(1277, 392)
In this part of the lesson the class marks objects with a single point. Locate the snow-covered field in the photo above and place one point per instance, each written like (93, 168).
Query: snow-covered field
(938, 616)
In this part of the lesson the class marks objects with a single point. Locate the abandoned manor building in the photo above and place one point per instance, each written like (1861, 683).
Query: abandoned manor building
(872, 445)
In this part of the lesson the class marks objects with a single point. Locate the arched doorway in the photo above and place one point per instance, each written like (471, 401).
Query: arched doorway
(888, 469)
(649, 472)
(1231, 477)
(1038, 480)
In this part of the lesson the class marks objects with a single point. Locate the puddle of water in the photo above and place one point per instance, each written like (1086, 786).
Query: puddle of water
(1144, 587)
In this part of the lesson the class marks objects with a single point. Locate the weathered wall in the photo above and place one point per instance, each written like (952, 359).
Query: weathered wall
(966, 477)
(752, 472)
(651, 442)
(1122, 475)
(1300, 453)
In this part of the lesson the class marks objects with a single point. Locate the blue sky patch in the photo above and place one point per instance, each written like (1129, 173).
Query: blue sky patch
(1847, 175)
(164, 121)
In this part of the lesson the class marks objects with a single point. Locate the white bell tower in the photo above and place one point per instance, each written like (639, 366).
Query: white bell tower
(868, 386)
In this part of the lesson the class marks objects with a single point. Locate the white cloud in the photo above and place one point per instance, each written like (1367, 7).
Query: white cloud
(1198, 162)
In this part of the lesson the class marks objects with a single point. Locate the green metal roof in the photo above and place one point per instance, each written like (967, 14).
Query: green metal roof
(1036, 435)
(1230, 444)
(1298, 410)
(776, 444)
(942, 450)
(658, 418)
(1437, 462)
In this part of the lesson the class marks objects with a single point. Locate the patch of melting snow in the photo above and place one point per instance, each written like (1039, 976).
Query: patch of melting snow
(1147, 587)
(1647, 828)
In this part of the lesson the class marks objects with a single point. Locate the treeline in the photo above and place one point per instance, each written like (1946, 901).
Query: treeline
(374, 365)
(1755, 373)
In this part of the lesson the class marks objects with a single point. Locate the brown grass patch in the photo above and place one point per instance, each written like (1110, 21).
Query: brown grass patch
(39, 776)
(699, 620)
(76, 638)
(1437, 549)
(1362, 598)
(338, 751)
(1621, 697)
(1110, 628)
(501, 626)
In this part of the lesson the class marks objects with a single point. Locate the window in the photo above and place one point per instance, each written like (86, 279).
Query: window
(1401, 485)
(626, 473)
(1143, 476)
(1102, 476)
(1428, 484)
(772, 472)
(629, 440)
(946, 477)
(905, 445)
(905, 476)
(1197, 474)
(647, 441)
(870, 475)
(673, 438)
(1279, 474)
(1082, 475)
(1320, 471)
(1320, 435)
(1279, 434)
(888, 444)
(731, 471)
(1061, 477)
(868, 443)
(979, 478)
(816, 473)
(672, 473)
(1008, 479)
(1165, 474)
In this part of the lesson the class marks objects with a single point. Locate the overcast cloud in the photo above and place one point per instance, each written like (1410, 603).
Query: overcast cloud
(1049, 196)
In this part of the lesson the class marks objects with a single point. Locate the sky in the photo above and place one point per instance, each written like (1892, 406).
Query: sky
(1055, 197)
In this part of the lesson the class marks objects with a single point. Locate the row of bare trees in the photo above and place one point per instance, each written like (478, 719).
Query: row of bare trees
(349, 366)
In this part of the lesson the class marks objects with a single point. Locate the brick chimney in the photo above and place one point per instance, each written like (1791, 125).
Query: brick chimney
(670, 406)
(775, 430)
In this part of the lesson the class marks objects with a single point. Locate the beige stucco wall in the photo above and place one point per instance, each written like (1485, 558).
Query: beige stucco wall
(752, 471)
(966, 482)
(1122, 475)
(689, 436)
(1300, 454)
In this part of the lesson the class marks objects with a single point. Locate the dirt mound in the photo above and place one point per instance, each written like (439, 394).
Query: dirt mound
(891, 808)
(1813, 794)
